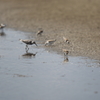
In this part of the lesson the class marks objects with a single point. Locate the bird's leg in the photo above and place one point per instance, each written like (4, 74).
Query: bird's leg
(64, 56)
(26, 48)
(66, 59)
(64, 53)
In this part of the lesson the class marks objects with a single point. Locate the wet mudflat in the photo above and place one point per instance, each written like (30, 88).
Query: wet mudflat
(45, 76)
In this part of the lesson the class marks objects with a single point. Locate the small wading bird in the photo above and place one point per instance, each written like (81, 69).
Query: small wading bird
(65, 40)
(49, 42)
(39, 32)
(28, 42)
(65, 54)
(2, 26)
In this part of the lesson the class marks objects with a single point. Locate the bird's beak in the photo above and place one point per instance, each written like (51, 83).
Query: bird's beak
(36, 44)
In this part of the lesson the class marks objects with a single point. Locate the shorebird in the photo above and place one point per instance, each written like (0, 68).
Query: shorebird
(28, 42)
(65, 55)
(39, 32)
(65, 52)
(65, 40)
(49, 42)
(2, 26)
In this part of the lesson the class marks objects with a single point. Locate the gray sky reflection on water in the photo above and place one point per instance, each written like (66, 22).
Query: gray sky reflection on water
(45, 76)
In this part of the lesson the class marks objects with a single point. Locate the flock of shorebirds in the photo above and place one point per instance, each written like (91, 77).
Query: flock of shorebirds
(47, 43)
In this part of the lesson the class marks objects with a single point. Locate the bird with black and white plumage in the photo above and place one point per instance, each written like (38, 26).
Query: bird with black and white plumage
(65, 40)
(39, 32)
(28, 42)
(49, 42)
(2, 26)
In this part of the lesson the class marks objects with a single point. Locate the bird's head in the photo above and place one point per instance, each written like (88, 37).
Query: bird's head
(33, 42)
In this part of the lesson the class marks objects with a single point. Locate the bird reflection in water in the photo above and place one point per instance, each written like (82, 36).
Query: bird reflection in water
(66, 59)
(29, 55)
(2, 34)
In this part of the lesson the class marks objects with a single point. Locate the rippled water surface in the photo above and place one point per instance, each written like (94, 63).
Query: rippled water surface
(46, 76)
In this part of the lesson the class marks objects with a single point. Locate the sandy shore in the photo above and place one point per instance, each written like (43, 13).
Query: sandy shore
(77, 20)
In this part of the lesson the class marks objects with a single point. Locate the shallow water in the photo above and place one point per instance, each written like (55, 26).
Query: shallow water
(46, 76)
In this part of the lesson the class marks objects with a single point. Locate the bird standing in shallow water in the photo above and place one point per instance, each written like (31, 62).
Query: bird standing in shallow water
(28, 42)
(65, 55)
(2, 26)
(49, 42)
